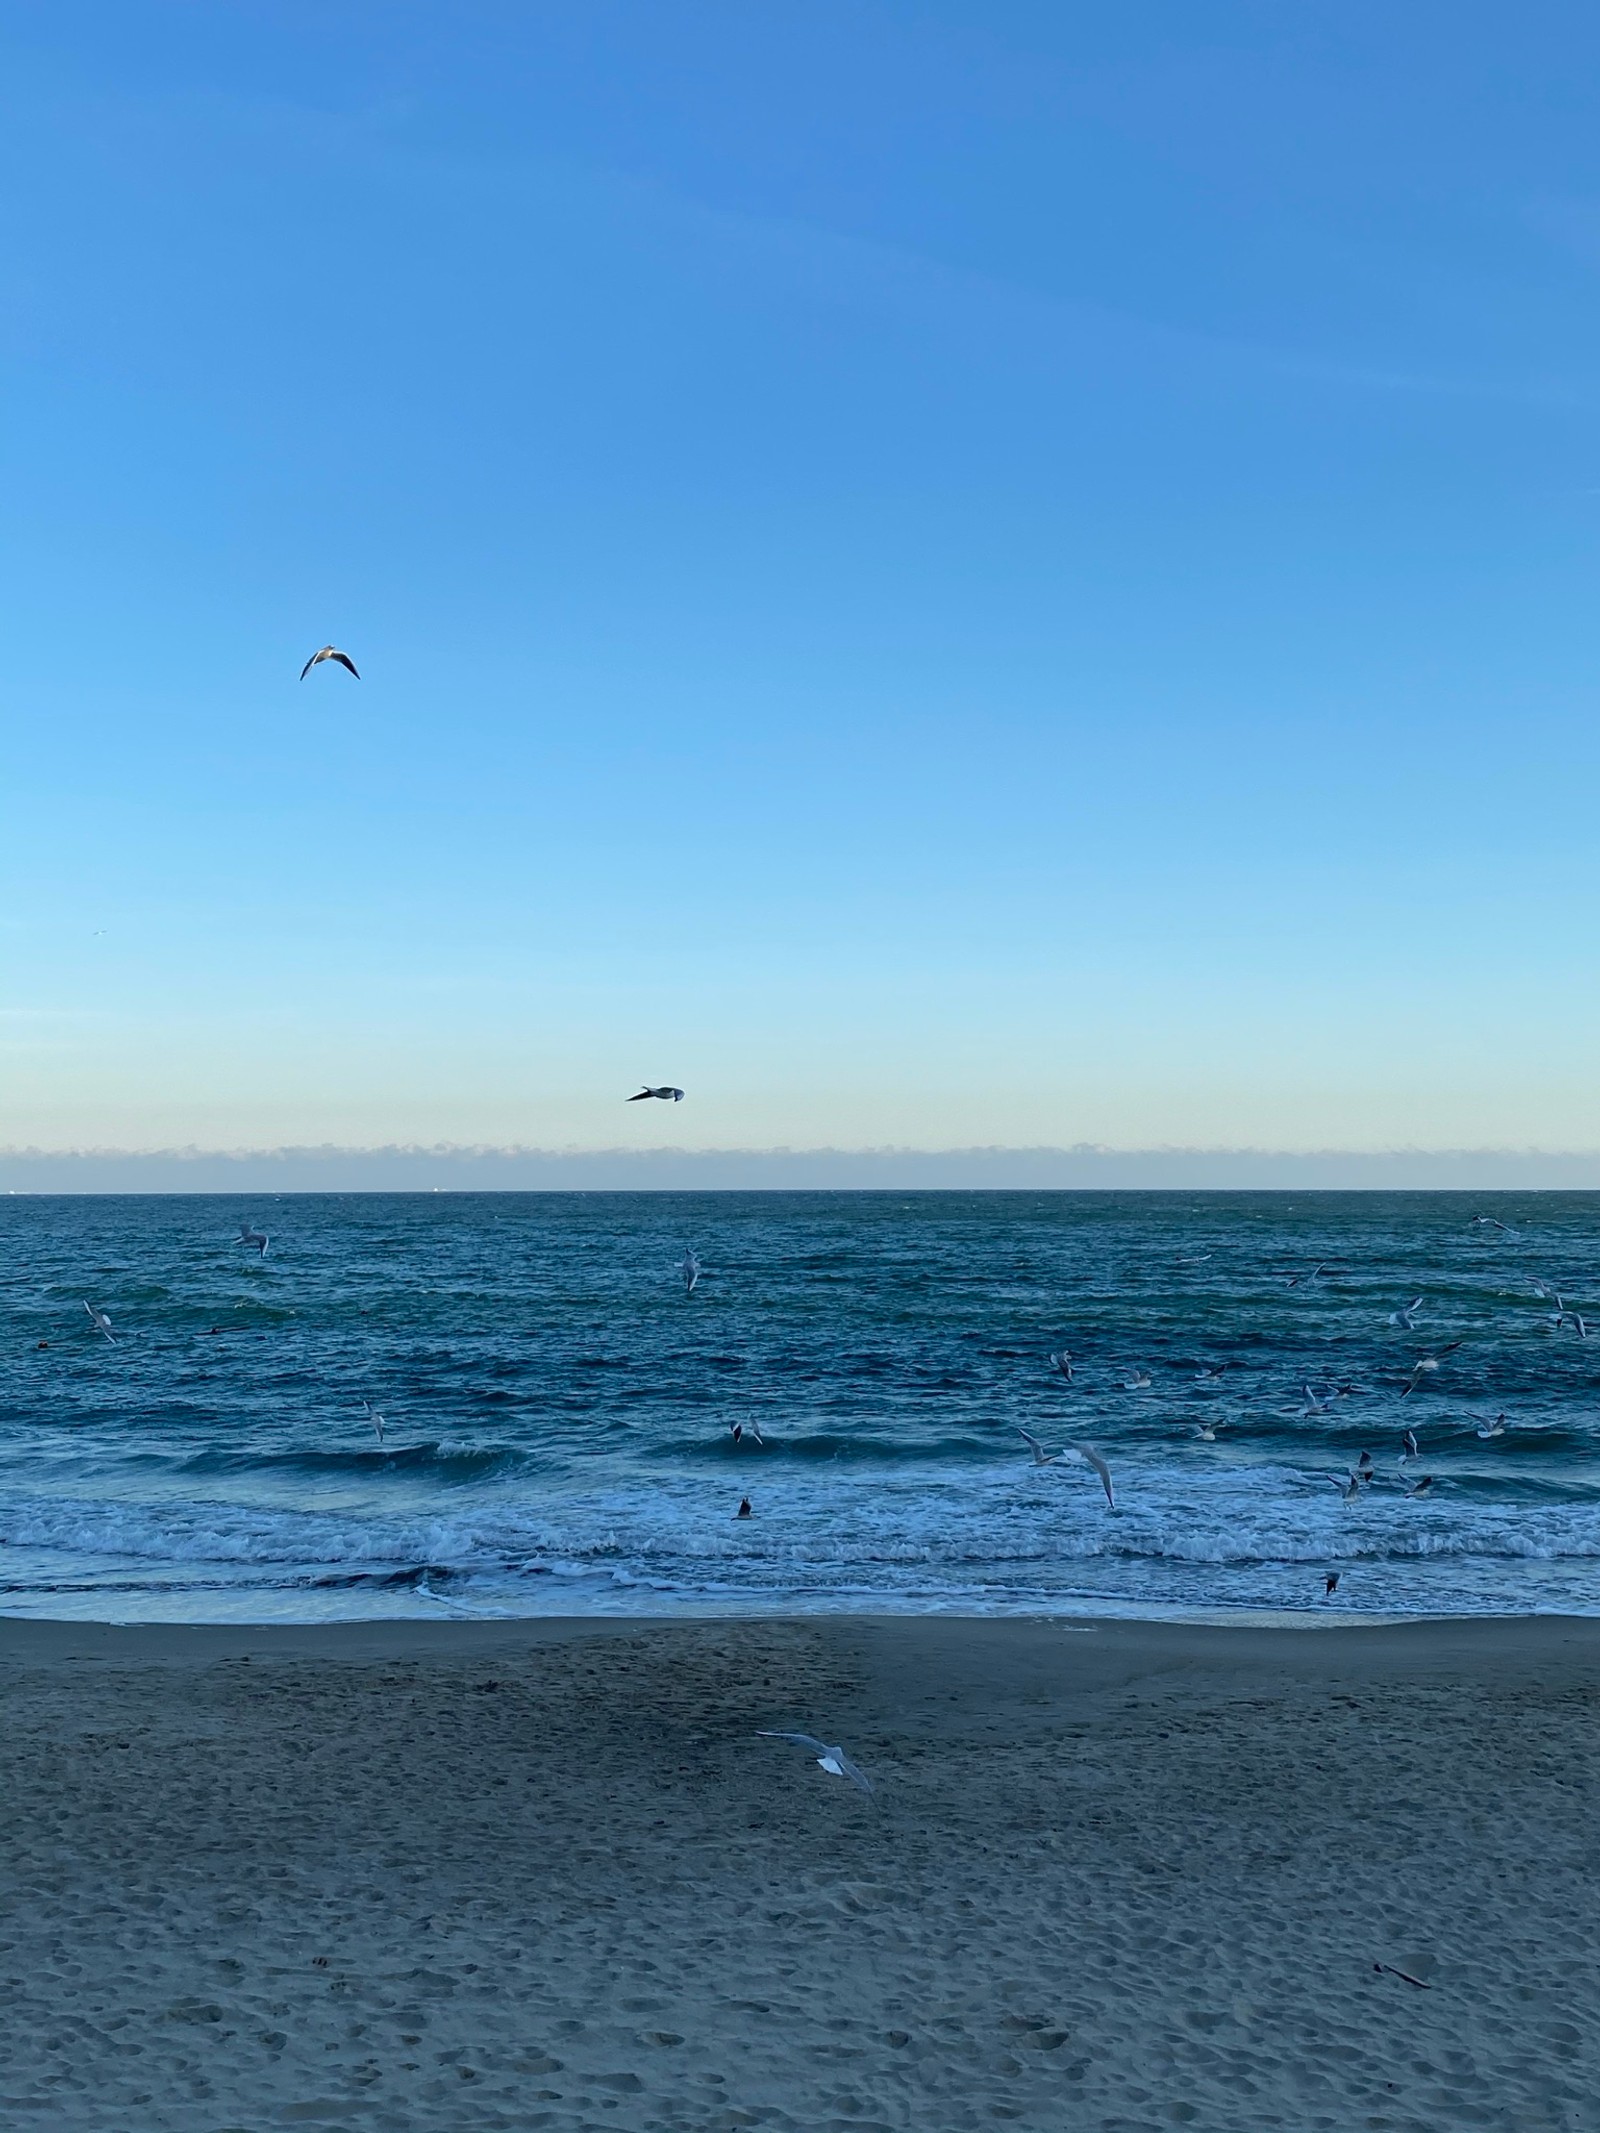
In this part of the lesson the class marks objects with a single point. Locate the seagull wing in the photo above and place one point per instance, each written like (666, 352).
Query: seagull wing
(1090, 1457)
(839, 1764)
(639, 1099)
(310, 663)
(799, 1740)
(345, 660)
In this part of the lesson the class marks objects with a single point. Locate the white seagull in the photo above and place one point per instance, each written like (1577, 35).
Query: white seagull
(1349, 1488)
(1491, 1426)
(1407, 1315)
(99, 1320)
(833, 1760)
(1063, 1363)
(690, 1270)
(256, 1239)
(738, 1431)
(666, 1096)
(1139, 1382)
(374, 1418)
(1425, 1366)
(1206, 1431)
(329, 651)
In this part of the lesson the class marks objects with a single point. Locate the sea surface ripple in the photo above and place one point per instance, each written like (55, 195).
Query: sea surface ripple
(557, 1406)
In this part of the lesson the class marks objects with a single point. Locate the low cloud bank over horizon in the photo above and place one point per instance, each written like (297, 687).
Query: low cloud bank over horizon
(1084, 1168)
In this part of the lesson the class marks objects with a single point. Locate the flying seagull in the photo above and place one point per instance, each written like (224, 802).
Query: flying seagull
(255, 1238)
(1421, 1486)
(1330, 1584)
(1407, 1315)
(100, 1321)
(1206, 1431)
(738, 1431)
(833, 1760)
(1349, 1488)
(1489, 1222)
(1139, 1382)
(374, 1418)
(329, 651)
(1425, 1366)
(1063, 1363)
(1040, 1456)
(666, 1096)
(1491, 1425)
(690, 1271)
(1408, 1446)
(1209, 1372)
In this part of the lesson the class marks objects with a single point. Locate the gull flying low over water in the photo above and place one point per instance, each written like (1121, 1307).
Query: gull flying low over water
(1407, 1315)
(1489, 1222)
(690, 1270)
(1349, 1488)
(1491, 1425)
(1063, 1363)
(1206, 1431)
(1208, 1373)
(666, 1096)
(1040, 1456)
(257, 1239)
(1330, 1584)
(1421, 1486)
(329, 651)
(99, 1320)
(1323, 1266)
(1139, 1382)
(833, 1760)
(1425, 1366)
(738, 1431)
(374, 1418)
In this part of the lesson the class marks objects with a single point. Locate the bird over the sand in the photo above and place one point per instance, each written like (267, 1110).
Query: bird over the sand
(833, 1760)
(667, 1096)
(101, 1323)
(329, 651)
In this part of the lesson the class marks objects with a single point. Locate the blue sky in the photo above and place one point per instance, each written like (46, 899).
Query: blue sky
(937, 575)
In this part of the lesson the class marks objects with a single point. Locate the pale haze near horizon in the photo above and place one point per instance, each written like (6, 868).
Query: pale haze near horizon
(943, 578)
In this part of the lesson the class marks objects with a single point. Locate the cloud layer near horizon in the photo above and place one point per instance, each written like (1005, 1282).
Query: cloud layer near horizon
(513, 1169)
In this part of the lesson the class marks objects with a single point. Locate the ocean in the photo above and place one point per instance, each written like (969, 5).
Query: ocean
(558, 1408)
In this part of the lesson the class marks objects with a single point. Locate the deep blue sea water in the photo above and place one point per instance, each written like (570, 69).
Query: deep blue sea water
(558, 1407)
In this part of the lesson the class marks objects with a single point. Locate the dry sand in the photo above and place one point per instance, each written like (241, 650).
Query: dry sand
(440, 1876)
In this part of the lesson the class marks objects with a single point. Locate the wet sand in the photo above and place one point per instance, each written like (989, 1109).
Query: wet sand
(423, 1877)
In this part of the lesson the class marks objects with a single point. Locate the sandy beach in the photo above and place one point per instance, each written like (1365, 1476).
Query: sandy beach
(1116, 1875)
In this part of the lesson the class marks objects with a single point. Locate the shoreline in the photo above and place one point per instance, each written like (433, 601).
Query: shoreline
(412, 1876)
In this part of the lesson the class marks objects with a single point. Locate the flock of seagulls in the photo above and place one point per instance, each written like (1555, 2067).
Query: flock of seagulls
(1076, 1452)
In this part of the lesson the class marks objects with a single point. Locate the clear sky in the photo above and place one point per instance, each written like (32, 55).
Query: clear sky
(936, 574)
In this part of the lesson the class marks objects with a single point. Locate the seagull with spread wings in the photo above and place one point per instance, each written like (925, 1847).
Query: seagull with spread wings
(833, 1760)
(329, 651)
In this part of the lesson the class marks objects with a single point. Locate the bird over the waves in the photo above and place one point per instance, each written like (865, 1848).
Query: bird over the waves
(690, 1270)
(1330, 1584)
(99, 1320)
(833, 1760)
(665, 1096)
(374, 1418)
(1063, 1363)
(329, 651)
(256, 1239)
(1407, 1315)
(1425, 1366)
(738, 1431)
